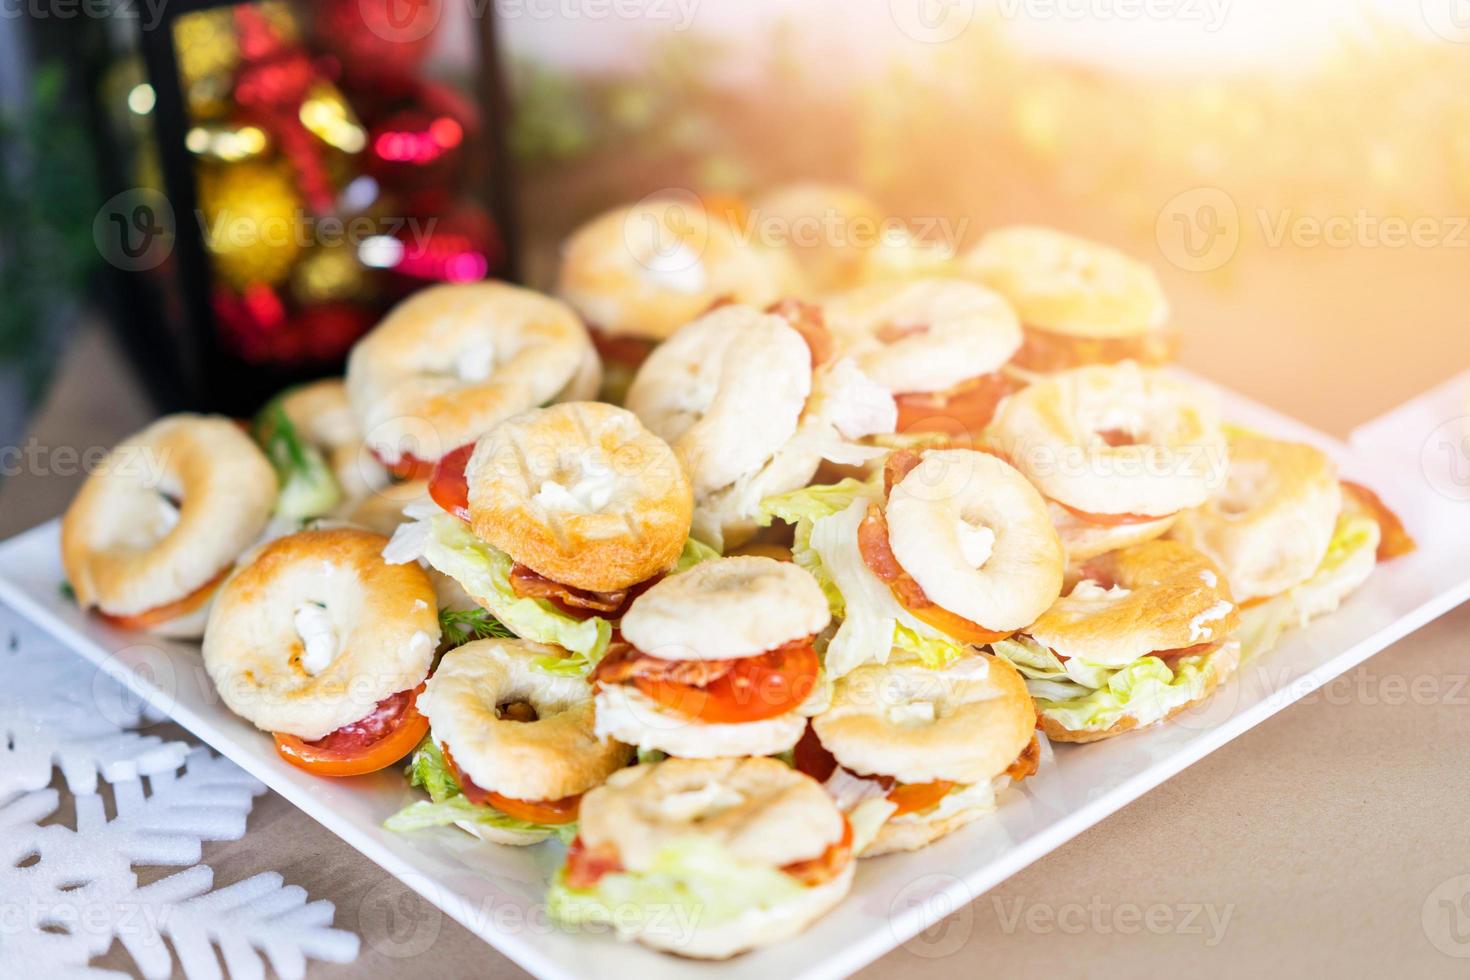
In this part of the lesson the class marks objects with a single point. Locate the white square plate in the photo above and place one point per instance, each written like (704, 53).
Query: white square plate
(496, 891)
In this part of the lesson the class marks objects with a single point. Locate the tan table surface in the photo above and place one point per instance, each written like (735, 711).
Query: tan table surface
(1334, 838)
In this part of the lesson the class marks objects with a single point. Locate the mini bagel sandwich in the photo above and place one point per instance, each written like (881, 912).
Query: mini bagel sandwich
(911, 754)
(1080, 302)
(155, 529)
(705, 858)
(638, 273)
(954, 549)
(1145, 634)
(937, 345)
(1291, 539)
(555, 520)
(510, 749)
(320, 642)
(1116, 447)
(752, 403)
(828, 227)
(311, 438)
(718, 661)
(450, 362)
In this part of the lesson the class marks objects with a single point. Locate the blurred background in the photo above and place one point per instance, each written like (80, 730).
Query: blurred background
(203, 202)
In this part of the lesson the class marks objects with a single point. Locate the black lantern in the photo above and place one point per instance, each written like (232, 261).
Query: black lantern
(283, 173)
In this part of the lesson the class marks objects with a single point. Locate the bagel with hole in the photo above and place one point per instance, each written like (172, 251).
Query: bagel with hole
(1291, 538)
(705, 858)
(511, 748)
(952, 550)
(1115, 446)
(1080, 302)
(911, 754)
(1146, 633)
(452, 361)
(636, 274)
(319, 641)
(937, 345)
(752, 402)
(157, 526)
(717, 661)
(555, 520)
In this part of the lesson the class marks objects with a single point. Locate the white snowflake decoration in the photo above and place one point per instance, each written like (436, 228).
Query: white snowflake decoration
(70, 893)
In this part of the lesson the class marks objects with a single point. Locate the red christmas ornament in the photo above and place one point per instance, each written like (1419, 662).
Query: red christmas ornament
(381, 43)
(326, 332)
(461, 246)
(422, 145)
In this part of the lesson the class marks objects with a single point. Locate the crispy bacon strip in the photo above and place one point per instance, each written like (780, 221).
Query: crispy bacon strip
(1042, 350)
(899, 464)
(962, 411)
(528, 583)
(624, 663)
(1027, 762)
(1396, 540)
(807, 320)
(878, 556)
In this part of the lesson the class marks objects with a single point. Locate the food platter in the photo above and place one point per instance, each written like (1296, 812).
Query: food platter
(497, 892)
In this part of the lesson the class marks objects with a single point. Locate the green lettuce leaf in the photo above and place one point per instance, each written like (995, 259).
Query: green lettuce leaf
(694, 553)
(873, 621)
(484, 571)
(694, 878)
(812, 503)
(308, 487)
(1092, 697)
(446, 805)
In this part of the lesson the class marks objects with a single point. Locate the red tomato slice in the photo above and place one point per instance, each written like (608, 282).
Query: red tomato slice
(158, 615)
(408, 467)
(559, 811)
(913, 797)
(965, 409)
(585, 867)
(553, 812)
(391, 731)
(755, 688)
(448, 486)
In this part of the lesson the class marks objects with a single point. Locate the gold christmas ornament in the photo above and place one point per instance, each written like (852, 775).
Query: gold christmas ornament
(254, 221)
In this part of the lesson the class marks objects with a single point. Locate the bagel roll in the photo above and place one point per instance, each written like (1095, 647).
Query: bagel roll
(450, 362)
(511, 748)
(1115, 445)
(1146, 632)
(718, 661)
(913, 754)
(726, 854)
(555, 520)
(156, 527)
(953, 551)
(319, 641)
(752, 402)
(1081, 303)
(937, 345)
